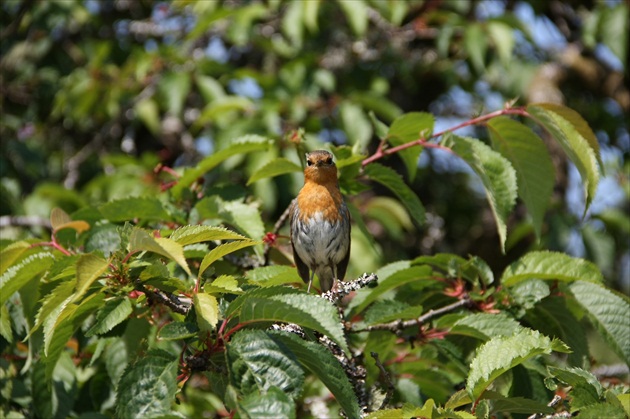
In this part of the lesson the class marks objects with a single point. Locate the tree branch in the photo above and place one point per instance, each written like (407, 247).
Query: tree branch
(424, 142)
(398, 325)
(386, 378)
(168, 300)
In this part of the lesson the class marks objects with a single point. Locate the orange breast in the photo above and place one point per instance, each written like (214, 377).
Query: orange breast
(315, 198)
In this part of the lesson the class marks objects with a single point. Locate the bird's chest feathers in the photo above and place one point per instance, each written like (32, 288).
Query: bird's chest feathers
(320, 202)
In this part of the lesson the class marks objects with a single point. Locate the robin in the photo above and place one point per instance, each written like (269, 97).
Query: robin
(320, 223)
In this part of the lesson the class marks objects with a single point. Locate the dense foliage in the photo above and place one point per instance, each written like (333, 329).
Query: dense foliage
(150, 150)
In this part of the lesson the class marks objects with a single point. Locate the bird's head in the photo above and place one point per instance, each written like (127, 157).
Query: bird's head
(320, 167)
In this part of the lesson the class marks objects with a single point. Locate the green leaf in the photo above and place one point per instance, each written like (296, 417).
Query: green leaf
(496, 173)
(207, 311)
(614, 21)
(223, 284)
(220, 107)
(53, 304)
(173, 88)
(141, 240)
(320, 362)
(394, 182)
(267, 276)
(577, 140)
(503, 37)
(267, 292)
(530, 158)
(608, 312)
(550, 265)
(553, 317)
(473, 269)
(59, 329)
(209, 88)
(147, 388)
(54, 398)
(356, 124)
(520, 405)
(503, 353)
(357, 15)
(18, 275)
(242, 145)
(476, 45)
(273, 404)
(396, 280)
(302, 309)
(222, 250)
(310, 14)
(292, 23)
(276, 167)
(245, 217)
(257, 362)
(386, 311)
(603, 410)
(586, 388)
(191, 234)
(149, 113)
(178, 330)
(11, 253)
(144, 208)
(407, 128)
(486, 326)
(5, 324)
(114, 312)
(89, 268)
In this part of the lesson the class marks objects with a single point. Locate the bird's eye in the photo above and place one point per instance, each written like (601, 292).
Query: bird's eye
(309, 163)
(329, 160)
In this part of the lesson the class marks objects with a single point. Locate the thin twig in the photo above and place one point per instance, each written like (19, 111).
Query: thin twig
(343, 288)
(386, 378)
(398, 325)
(168, 300)
(276, 228)
(424, 142)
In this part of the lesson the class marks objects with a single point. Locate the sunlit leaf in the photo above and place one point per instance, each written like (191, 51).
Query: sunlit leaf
(276, 167)
(407, 128)
(576, 139)
(476, 45)
(147, 388)
(222, 250)
(302, 309)
(530, 158)
(250, 354)
(496, 174)
(502, 353)
(141, 240)
(393, 181)
(200, 233)
(356, 13)
(608, 312)
(146, 208)
(89, 268)
(113, 313)
(207, 311)
(242, 145)
(320, 362)
(550, 265)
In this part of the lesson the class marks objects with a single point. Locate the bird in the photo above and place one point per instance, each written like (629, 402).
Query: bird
(320, 223)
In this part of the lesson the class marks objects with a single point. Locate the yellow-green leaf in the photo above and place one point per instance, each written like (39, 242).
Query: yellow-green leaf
(222, 250)
(89, 268)
(207, 311)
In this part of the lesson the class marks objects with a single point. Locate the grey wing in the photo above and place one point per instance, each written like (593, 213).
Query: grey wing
(342, 266)
(302, 269)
